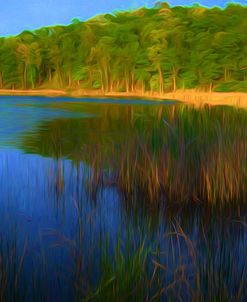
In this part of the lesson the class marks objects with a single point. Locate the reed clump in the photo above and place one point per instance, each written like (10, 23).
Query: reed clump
(184, 154)
(174, 268)
(174, 153)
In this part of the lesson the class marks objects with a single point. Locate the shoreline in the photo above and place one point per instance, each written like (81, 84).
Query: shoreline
(195, 97)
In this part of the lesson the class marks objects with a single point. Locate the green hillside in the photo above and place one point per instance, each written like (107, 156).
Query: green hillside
(159, 49)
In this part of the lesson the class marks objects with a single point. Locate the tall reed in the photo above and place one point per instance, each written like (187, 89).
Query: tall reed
(181, 154)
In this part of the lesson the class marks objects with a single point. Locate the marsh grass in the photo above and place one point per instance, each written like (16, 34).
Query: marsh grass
(148, 260)
(181, 154)
(173, 153)
(123, 276)
(11, 268)
(157, 158)
(177, 271)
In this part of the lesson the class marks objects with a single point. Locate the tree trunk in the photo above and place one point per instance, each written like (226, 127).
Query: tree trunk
(1, 80)
(59, 76)
(225, 74)
(70, 80)
(143, 87)
(174, 79)
(127, 83)
(161, 80)
(90, 78)
(50, 74)
(102, 80)
(106, 78)
(132, 82)
(25, 76)
(39, 80)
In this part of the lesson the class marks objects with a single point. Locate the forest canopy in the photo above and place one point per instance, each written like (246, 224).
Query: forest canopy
(159, 49)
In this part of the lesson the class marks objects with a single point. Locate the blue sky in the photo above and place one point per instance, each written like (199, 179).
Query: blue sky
(17, 15)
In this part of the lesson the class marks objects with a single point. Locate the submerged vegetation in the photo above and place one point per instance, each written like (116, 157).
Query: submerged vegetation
(122, 201)
(141, 264)
(171, 270)
(163, 153)
(158, 50)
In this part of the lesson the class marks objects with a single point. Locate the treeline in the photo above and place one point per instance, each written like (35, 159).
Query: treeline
(159, 49)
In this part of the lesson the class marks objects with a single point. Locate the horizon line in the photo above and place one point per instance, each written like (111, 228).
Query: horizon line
(80, 20)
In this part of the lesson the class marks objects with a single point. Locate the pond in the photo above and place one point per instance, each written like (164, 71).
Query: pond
(122, 200)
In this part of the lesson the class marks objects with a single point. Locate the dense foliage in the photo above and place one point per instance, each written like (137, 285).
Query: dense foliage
(158, 49)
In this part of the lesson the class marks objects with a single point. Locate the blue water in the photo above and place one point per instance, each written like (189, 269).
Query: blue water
(43, 200)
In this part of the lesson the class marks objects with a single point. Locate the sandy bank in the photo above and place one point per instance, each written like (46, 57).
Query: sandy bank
(195, 97)
(34, 92)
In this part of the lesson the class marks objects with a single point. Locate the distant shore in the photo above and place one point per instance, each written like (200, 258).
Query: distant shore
(198, 98)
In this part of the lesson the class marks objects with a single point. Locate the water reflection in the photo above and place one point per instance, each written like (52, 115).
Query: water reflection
(66, 216)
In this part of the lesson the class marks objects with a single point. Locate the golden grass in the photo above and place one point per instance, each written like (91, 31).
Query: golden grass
(189, 96)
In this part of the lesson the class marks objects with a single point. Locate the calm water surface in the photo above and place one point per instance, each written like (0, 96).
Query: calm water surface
(57, 226)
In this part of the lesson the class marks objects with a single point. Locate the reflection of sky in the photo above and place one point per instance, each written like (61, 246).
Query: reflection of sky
(46, 214)
(16, 118)
(32, 202)
(22, 114)
(38, 197)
